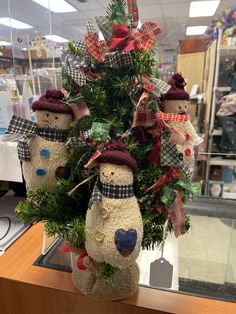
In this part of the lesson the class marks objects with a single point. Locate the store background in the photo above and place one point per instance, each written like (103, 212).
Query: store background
(25, 57)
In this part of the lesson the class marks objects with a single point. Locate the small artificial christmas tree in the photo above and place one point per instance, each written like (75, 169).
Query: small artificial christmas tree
(121, 135)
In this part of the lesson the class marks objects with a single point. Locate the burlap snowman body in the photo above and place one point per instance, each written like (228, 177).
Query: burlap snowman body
(113, 228)
(42, 148)
(175, 104)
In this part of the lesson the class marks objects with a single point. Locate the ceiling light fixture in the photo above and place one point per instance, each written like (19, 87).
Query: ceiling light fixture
(195, 30)
(203, 8)
(10, 22)
(56, 6)
(56, 38)
(4, 43)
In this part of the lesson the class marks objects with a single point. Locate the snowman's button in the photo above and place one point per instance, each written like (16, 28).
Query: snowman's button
(40, 172)
(99, 236)
(44, 153)
(187, 136)
(187, 152)
(104, 213)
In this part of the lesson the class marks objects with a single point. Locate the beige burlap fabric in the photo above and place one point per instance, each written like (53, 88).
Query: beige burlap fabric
(125, 283)
(106, 217)
(57, 153)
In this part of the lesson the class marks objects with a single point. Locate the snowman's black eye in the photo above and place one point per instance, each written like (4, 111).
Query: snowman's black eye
(179, 107)
(186, 106)
(56, 118)
(112, 173)
(103, 173)
(47, 114)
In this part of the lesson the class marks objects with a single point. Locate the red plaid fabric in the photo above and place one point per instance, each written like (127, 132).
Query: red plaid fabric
(143, 117)
(94, 48)
(133, 10)
(177, 216)
(172, 117)
(147, 34)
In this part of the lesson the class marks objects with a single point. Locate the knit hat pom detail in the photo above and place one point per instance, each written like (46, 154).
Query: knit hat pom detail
(177, 81)
(54, 93)
(177, 91)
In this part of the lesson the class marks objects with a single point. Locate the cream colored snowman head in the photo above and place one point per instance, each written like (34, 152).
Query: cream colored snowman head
(176, 100)
(115, 174)
(51, 111)
(116, 165)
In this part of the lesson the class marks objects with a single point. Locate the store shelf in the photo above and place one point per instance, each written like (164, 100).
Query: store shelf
(219, 161)
(224, 88)
(217, 132)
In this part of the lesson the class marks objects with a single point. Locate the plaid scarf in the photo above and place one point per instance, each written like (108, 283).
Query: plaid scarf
(172, 117)
(111, 191)
(29, 129)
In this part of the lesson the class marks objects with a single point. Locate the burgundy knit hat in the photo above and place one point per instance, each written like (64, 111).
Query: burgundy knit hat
(52, 101)
(117, 153)
(176, 92)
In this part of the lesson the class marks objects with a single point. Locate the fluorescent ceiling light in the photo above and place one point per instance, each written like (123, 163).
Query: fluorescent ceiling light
(56, 6)
(203, 8)
(195, 30)
(56, 38)
(10, 22)
(4, 43)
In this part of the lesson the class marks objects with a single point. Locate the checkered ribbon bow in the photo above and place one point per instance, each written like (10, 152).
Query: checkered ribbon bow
(105, 25)
(29, 129)
(119, 60)
(72, 65)
(155, 86)
(101, 190)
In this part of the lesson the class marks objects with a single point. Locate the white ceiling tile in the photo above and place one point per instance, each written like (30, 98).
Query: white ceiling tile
(150, 12)
(176, 10)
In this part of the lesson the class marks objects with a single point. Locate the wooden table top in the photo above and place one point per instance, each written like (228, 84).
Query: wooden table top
(17, 264)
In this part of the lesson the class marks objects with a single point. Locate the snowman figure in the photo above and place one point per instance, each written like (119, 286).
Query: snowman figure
(42, 146)
(175, 103)
(114, 226)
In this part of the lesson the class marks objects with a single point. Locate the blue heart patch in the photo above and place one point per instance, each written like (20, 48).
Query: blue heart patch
(125, 241)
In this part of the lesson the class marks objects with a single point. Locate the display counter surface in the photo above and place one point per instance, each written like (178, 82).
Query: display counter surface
(27, 289)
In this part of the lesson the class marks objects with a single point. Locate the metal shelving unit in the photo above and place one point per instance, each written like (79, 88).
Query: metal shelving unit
(221, 51)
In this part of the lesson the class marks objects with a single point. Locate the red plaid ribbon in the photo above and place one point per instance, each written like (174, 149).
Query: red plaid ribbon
(145, 37)
(172, 117)
(94, 48)
(176, 215)
(144, 117)
(133, 10)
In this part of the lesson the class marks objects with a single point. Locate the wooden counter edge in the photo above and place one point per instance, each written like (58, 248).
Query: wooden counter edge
(16, 268)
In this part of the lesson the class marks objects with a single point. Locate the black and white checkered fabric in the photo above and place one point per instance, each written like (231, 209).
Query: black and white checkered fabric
(119, 60)
(29, 129)
(162, 86)
(105, 25)
(169, 152)
(78, 76)
(79, 45)
(110, 191)
(21, 126)
(90, 28)
(188, 172)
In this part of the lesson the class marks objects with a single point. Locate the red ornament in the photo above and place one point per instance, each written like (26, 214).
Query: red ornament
(83, 260)
(187, 136)
(187, 152)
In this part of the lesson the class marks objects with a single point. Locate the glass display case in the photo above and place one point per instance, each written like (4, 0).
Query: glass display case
(204, 260)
